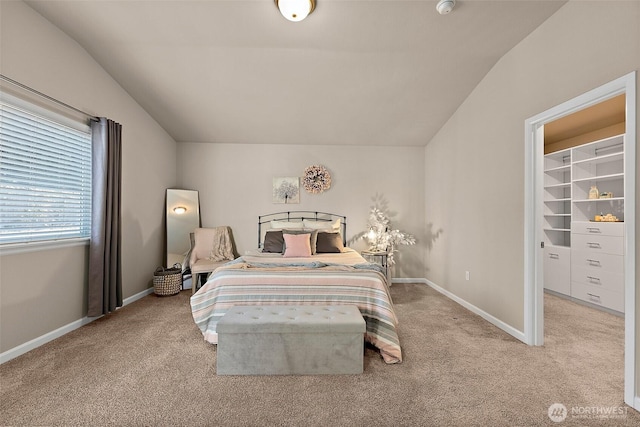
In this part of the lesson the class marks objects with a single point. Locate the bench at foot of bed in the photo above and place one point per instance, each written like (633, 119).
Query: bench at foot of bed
(291, 340)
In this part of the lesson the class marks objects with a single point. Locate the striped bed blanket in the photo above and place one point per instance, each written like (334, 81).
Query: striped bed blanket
(244, 282)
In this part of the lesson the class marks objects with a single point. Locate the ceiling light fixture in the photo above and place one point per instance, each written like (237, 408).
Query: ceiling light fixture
(180, 210)
(295, 10)
(445, 6)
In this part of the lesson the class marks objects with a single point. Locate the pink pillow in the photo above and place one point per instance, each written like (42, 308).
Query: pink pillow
(297, 245)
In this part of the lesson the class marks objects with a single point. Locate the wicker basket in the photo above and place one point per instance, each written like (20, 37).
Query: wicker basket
(167, 281)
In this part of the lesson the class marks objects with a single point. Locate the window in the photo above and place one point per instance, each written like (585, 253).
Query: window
(45, 176)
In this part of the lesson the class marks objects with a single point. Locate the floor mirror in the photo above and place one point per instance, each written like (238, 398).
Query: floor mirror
(182, 217)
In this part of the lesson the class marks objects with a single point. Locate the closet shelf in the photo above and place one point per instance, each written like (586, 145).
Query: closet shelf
(565, 168)
(611, 199)
(602, 178)
(561, 185)
(600, 159)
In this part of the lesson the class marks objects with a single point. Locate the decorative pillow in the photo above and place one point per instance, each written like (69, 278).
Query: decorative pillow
(279, 225)
(297, 245)
(329, 242)
(273, 242)
(312, 239)
(322, 225)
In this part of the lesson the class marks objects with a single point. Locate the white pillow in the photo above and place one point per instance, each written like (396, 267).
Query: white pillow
(322, 225)
(291, 225)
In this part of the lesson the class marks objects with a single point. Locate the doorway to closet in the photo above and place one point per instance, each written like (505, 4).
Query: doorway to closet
(583, 181)
(558, 229)
(583, 206)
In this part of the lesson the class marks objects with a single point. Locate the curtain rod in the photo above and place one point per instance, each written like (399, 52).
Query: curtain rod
(47, 97)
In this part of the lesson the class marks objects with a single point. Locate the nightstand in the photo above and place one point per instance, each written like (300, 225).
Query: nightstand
(381, 258)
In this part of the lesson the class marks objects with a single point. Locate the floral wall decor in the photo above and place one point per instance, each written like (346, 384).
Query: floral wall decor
(286, 190)
(316, 179)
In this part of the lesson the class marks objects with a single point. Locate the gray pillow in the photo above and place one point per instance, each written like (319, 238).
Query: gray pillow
(328, 242)
(273, 242)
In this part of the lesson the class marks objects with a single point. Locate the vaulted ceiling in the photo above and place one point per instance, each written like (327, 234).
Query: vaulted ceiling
(385, 72)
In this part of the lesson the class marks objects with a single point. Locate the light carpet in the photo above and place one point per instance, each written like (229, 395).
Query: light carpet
(147, 365)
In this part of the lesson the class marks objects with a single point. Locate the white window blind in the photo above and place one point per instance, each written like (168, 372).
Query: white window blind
(45, 178)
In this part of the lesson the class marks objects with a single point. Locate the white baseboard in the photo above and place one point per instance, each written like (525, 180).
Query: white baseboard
(136, 297)
(486, 316)
(50, 336)
(407, 280)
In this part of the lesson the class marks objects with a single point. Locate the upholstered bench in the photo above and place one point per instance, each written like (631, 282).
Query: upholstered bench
(290, 340)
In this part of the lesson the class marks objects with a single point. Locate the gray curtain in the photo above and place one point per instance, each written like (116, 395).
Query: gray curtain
(105, 267)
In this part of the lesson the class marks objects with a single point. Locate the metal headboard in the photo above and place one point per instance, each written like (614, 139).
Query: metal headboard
(301, 216)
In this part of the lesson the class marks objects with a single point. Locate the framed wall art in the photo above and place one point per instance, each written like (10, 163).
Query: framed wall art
(286, 190)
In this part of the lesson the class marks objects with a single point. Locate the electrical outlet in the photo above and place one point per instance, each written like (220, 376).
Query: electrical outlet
(466, 275)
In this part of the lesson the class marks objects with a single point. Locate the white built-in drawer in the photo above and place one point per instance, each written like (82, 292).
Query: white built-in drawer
(598, 228)
(611, 281)
(601, 262)
(598, 296)
(557, 269)
(598, 243)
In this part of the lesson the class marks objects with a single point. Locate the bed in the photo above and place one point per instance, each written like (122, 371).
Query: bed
(299, 273)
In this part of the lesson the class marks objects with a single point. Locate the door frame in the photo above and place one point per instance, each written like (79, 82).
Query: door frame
(533, 222)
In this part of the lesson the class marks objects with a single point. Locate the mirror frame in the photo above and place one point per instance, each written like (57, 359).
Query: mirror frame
(174, 198)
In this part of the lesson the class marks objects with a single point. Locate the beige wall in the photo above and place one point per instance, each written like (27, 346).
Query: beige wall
(44, 290)
(477, 199)
(235, 185)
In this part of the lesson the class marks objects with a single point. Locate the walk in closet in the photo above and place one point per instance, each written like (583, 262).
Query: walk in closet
(584, 222)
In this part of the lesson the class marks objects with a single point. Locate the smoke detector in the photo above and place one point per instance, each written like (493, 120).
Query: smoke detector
(445, 6)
